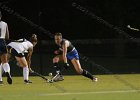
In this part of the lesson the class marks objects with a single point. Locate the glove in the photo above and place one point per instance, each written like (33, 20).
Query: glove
(57, 52)
(66, 65)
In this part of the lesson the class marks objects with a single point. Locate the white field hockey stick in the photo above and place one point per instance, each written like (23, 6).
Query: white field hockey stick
(131, 28)
(52, 79)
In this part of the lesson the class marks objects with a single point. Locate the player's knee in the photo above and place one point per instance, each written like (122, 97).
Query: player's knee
(4, 59)
(55, 59)
(19, 64)
(23, 64)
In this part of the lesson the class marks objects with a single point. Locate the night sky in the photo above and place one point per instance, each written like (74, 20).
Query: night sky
(61, 16)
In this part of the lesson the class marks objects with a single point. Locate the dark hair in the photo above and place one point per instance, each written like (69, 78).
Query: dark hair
(58, 34)
(33, 38)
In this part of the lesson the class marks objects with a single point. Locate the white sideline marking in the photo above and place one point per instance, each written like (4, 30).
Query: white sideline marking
(78, 93)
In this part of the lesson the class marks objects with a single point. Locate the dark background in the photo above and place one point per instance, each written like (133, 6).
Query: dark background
(96, 42)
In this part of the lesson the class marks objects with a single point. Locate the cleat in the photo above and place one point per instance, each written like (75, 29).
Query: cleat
(57, 78)
(95, 79)
(9, 78)
(1, 82)
(27, 81)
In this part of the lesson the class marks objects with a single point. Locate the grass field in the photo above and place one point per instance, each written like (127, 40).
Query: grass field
(109, 87)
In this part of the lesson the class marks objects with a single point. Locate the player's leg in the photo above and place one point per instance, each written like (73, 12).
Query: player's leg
(23, 63)
(6, 67)
(81, 71)
(58, 75)
(74, 57)
(4, 60)
(55, 64)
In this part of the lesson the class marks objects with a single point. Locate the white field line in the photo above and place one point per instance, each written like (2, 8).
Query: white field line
(79, 93)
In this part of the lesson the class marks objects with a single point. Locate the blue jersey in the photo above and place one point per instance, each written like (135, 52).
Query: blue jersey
(71, 51)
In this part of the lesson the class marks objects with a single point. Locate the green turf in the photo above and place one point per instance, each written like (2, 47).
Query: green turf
(109, 87)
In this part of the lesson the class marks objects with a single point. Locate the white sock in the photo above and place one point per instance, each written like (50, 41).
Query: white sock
(1, 71)
(26, 73)
(6, 67)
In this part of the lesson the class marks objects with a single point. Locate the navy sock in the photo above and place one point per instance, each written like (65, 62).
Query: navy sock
(87, 74)
(57, 68)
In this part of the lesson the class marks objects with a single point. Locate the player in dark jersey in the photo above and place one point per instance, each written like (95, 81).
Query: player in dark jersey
(68, 51)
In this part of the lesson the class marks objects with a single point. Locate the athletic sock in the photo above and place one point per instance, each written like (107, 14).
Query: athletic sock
(6, 67)
(87, 74)
(26, 73)
(1, 72)
(57, 68)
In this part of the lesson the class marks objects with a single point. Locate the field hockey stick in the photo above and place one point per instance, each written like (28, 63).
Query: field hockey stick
(38, 74)
(52, 79)
(131, 28)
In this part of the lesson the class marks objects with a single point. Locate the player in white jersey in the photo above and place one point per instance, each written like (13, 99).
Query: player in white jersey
(4, 35)
(18, 50)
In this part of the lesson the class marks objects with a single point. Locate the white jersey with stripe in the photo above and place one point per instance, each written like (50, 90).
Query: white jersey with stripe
(21, 47)
(3, 27)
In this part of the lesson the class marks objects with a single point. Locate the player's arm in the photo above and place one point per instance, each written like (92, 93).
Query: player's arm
(58, 52)
(64, 47)
(7, 33)
(30, 51)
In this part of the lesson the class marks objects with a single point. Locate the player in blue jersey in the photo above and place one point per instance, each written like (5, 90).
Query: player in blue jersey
(68, 51)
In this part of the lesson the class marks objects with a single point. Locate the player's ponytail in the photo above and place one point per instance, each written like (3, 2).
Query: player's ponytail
(33, 38)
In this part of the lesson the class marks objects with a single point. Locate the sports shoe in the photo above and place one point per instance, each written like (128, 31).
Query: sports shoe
(95, 79)
(1, 82)
(9, 78)
(27, 81)
(57, 78)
